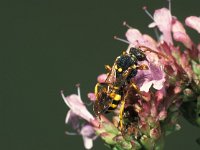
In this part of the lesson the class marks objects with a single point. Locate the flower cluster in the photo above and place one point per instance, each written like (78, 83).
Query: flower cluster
(170, 87)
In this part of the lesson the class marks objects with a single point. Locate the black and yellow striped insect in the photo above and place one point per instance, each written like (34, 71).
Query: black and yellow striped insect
(111, 93)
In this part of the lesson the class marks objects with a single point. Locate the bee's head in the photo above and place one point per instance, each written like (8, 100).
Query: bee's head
(139, 54)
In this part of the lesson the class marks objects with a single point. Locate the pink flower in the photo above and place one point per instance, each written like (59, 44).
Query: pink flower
(180, 35)
(152, 112)
(163, 20)
(193, 22)
(154, 75)
(87, 131)
(77, 111)
(77, 106)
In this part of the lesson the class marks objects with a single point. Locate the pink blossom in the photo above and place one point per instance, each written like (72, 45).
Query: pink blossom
(153, 110)
(77, 111)
(180, 34)
(77, 106)
(163, 20)
(87, 131)
(193, 22)
(154, 75)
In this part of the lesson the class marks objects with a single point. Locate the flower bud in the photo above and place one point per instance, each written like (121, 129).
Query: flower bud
(177, 127)
(154, 133)
(188, 92)
(162, 115)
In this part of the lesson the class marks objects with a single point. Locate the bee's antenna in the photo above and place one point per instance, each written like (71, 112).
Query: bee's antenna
(122, 40)
(127, 25)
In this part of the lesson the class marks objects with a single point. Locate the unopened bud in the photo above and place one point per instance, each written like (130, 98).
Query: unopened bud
(153, 110)
(188, 92)
(169, 70)
(102, 78)
(154, 133)
(162, 115)
(177, 90)
(177, 127)
(92, 96)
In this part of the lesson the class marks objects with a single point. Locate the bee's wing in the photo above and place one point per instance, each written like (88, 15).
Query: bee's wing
(111, 76)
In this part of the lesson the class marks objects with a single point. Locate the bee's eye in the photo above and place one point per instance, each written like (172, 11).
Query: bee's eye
(138, 54)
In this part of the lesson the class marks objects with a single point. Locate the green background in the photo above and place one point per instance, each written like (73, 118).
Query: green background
(48, 46)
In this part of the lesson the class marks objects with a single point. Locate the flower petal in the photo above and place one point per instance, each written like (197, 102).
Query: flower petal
(137, 39)
(88, 135)
(183, 38)
(152, 25)
(177, 26)
(73, 119)
(193, 22)
(69, 116)
(133, 35)
(158, 84)
(87, 131)
(77, 107)
(151, 42)
(163, 20)
(153, 76)
(180, 34)
(88, 142)
(146, 86)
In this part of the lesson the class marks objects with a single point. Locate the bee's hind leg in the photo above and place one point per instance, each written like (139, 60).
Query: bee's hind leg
(121, 111)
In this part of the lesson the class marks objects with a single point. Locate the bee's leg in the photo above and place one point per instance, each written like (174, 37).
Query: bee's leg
(136, 88)
(96, 88)
(108, 68)
(121, 111)
(128, 71)
(143, 67)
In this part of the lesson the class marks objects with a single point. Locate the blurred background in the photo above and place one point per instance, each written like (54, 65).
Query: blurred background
(48, 46)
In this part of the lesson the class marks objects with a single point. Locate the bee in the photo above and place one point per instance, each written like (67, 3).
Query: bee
(111, 93)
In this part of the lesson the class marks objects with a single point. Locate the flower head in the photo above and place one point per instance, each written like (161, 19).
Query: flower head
(164, 85)
(77, 112)
(77, 106)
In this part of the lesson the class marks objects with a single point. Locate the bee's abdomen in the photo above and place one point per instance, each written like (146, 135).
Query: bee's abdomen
(113, 106)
